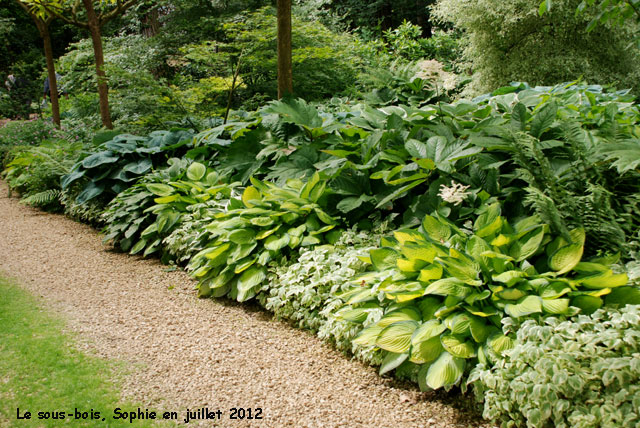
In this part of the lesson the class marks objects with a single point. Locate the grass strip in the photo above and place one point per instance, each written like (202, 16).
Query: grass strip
(41, 371)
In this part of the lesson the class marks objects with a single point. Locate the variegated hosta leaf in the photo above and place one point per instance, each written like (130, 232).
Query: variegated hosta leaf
(383, 258)
(527, 306)
(448, 287)
(437, 230)
(458, 347)
(426, 350)
(397, 337)
(368, 336)
(432, 272)
(500, 343)
(446, 370)
(566, 258)
(555, 306)
(404, 314)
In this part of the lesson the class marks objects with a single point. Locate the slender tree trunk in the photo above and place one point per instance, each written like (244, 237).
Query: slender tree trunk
(43, 28)
(96, 38)
(285, 74)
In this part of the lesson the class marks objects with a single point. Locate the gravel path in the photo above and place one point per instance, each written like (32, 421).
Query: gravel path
(192, 353)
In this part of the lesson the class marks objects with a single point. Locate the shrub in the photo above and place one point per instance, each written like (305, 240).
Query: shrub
(582, 373)
(508, 41)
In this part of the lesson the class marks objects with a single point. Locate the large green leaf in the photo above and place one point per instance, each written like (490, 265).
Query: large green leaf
(566, 258)
(251, 278)
(139, 167)
(437, 230)
(426, 351)
(391, 361)
(90, 191)
(445, 371)
(404, 314)
(196, 171)
(276, 242)
(458, 347)
(368, 336)
(160, 189)
(397, 336)
(527, 306)
(383, 258)
(99, 158)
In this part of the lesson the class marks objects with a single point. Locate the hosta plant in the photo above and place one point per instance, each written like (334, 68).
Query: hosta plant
(444, 291)
(119, 162)
(143, 215)
(265, 225)
(127, 215)
(578, 373)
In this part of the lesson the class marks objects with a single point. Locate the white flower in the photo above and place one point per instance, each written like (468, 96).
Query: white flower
(454, 194)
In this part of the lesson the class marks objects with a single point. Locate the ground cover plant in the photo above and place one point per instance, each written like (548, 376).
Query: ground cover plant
(558, 366)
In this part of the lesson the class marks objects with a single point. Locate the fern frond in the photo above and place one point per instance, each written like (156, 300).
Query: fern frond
(44, 198)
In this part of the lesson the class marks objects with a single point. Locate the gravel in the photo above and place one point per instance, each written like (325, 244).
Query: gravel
(183, 352)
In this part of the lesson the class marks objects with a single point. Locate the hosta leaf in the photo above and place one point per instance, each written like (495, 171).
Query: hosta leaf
(566, 258)
(383, 258)
(196, 171)
(459, 323)
(407, 235)
(500, 343)
(427, 330)
(261, 221)
(276, 242)
(554, 290)
(242, 236)
(410, 265)
(479, 329)
(139, 246)
(431, 272)
(99, 158)
(436, 230)
(509, 277)
(448, 287)
(415, 251)
(605, 280)
(391, 361)
(511, 293)
(445, 371)
(250, 194)
(160, 189)
(587, 304)
(624, 296)
(244, 264)
(426, 351)
(555, 306)
(528, 245)
(251, 278)
(457, 347)
(397, 336)
(404, 314)
(487, 217)
(527, 306)
(368, 336)
(324, 217)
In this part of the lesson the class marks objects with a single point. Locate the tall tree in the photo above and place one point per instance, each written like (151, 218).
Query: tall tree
(43, 28)
(285, 74)
(85, 14)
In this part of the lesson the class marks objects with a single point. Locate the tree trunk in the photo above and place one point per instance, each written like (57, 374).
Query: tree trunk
(285, 75)
(43, 28)
(96, 38)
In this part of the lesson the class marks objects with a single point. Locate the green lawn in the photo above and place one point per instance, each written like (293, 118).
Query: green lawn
(40, 370)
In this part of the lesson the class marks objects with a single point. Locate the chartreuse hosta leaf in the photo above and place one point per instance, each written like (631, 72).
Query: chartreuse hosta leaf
(268, 223)
(468, 284)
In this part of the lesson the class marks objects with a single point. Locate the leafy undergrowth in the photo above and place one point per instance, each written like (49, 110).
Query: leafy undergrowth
(42, 372)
